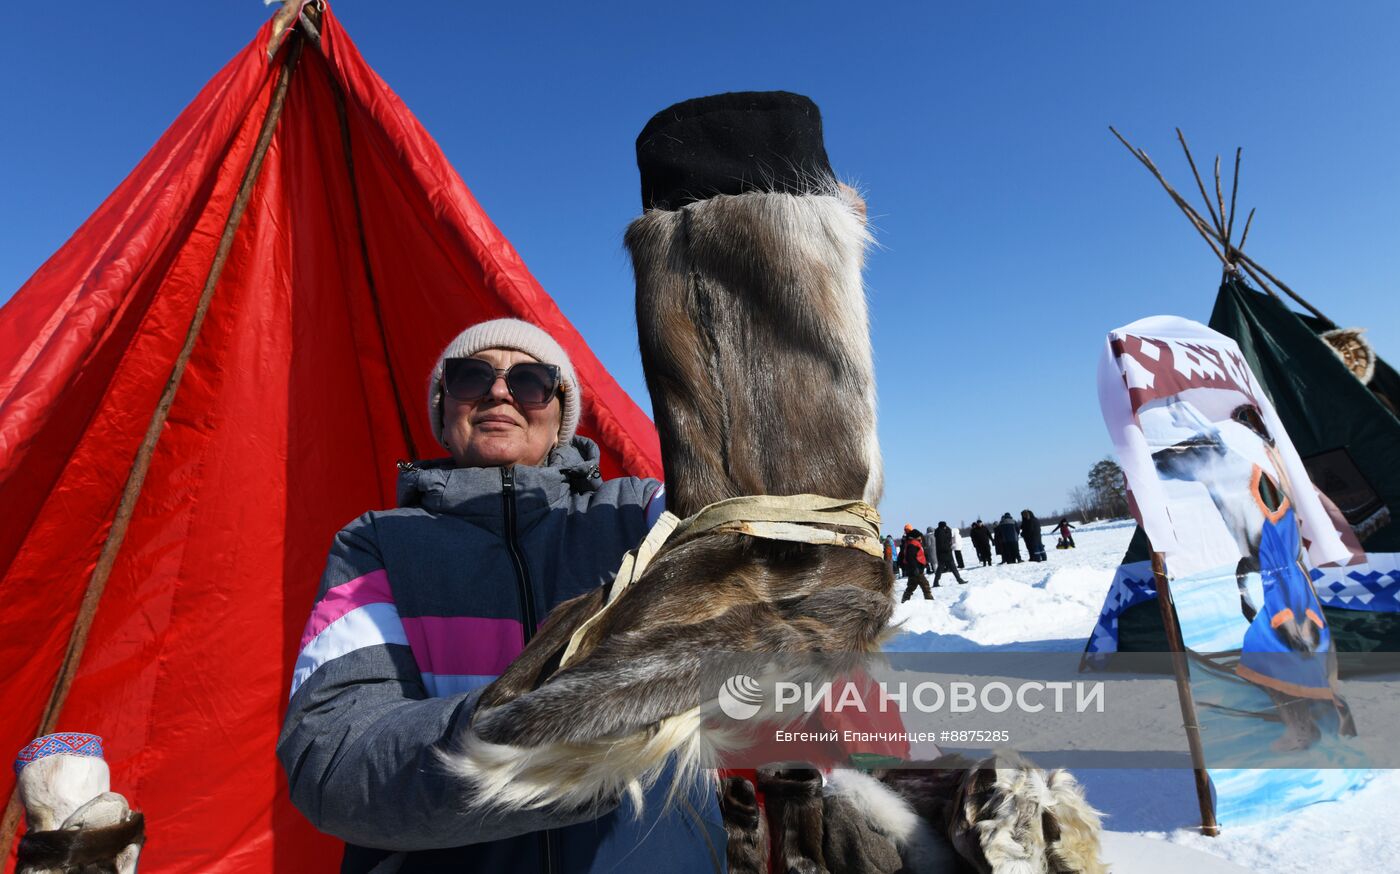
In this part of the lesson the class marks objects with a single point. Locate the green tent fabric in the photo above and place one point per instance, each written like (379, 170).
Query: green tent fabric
(1323, 406)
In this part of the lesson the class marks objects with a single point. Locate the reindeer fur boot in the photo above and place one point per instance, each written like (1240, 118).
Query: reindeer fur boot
(793, 803)
(745, 827)
(1005, 816)
(755, 340)
(76, 824)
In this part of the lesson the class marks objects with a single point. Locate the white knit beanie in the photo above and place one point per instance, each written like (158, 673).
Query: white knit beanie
(510, 334)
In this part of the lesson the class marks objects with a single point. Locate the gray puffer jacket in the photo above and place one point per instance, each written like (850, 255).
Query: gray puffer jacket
(419, 609)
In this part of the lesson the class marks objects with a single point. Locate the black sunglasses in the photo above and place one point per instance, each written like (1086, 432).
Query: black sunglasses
(532, 384)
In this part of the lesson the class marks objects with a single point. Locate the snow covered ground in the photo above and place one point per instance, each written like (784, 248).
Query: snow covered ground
(1051, 607)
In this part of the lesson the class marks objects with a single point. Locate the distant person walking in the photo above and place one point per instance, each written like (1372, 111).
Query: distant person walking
(928, 549)
(1006, 535)
(957, 547)
(1030, 532)
(943, 549)
(982, 542)
(1066, 538)
(890, 554)
(912, 560)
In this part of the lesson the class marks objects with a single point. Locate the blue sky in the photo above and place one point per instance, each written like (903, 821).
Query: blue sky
(1014, 231)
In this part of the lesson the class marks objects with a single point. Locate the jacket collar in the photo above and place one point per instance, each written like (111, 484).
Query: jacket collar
(439, 486)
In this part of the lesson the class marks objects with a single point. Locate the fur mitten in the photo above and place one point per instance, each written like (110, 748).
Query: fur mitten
(793, 798)
(744, 826)
(851, 842)
(1005, 814)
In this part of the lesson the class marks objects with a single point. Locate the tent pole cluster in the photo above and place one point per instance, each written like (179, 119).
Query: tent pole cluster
(131, 491)
(1219, 231)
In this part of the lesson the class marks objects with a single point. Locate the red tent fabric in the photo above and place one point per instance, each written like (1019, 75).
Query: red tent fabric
(286, 425)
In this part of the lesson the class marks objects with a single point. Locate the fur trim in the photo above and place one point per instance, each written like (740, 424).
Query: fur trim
(921, 848)
(1354, 349)
(1077, 848)
(1014, 818)
(588, 774)
(1003, 815)
(888, 812)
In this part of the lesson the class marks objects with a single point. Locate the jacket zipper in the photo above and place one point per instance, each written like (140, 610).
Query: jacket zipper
(547, 847)
(522, 573)
(527, 610)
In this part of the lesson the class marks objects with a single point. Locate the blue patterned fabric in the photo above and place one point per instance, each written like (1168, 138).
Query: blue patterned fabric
(1132, 584)
(1373, 586)
(72, 743)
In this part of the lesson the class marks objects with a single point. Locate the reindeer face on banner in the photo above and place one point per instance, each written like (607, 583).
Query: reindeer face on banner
(1236, 463)
(1232, 459)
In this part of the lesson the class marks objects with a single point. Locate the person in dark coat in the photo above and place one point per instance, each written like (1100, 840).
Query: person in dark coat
(1030, 532)
(982, 542)
(912, 560)
(943, 548)
(1066, 538)
(1006, 540)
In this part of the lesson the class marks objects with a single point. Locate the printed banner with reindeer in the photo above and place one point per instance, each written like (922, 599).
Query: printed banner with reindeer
(1221, 492)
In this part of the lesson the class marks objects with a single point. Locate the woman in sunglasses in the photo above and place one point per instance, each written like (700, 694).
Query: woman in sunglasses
(423, 606)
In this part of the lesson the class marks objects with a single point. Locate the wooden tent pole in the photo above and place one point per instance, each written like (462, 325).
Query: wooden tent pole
(1219, 236)
(1191, 215)
(343, 117)
(1234, 189)
(1249, 220)
(1286, 290)
(1220, 202)
(1219, 225)
(131, 492)
(1183, 693)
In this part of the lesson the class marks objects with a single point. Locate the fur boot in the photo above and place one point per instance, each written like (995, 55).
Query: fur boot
(1004, 816)
(76, 824)
(794, 807)
(870, 828)
(745, 827)
(755, 341)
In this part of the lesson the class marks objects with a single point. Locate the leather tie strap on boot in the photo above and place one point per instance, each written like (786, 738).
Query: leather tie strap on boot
(790, 518)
